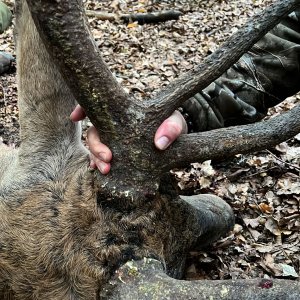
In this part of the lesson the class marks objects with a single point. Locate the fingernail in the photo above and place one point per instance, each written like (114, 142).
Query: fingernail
(102, 156)
(102, 167)
(162, 143)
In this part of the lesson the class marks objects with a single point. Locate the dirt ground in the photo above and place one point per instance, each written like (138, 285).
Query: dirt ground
(263, 188)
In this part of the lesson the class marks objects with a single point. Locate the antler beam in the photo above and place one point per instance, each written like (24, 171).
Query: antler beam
(146, 279)
(65, 30)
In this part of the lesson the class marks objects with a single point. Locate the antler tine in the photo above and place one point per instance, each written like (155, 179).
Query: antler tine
(172, 96)
(64, 29)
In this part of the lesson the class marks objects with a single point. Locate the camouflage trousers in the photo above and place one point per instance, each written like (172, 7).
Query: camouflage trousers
(5, 20)
(262, 78)
(5, 17)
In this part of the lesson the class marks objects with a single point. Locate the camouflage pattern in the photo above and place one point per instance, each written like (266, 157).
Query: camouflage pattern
(5, 20)
(262, 78)
(5, 62)
(5, 17)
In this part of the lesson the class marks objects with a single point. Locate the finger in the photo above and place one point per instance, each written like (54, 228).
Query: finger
(99, 150)
(102, 166)
(92, 163)
(77, 114)
(170, 130)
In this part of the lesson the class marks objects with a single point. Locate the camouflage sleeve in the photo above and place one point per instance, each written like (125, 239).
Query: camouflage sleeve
(263, 77)
(5, 17)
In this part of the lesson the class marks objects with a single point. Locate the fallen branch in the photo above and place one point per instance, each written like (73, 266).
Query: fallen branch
(140, 18)
(145, 280)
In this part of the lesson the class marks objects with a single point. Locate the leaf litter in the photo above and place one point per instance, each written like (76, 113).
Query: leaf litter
(263, 188)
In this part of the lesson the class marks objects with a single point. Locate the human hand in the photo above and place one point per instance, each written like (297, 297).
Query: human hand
(170, 130)
(101, 155)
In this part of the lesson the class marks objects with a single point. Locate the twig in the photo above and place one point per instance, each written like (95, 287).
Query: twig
(141, 18)
(3, 92)
(259, 172)
(284, 162)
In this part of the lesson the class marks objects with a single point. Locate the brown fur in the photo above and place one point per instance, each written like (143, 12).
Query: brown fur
(59, 239)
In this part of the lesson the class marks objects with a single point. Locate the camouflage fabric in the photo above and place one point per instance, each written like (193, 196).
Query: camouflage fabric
(5, 62)
(5, 17)
(263, 77)
(5, 20)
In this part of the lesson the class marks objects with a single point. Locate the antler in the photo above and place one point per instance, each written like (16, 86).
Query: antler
(64, 27)
(226, 142)
(213, 66)
(146, 279)
(121, 120)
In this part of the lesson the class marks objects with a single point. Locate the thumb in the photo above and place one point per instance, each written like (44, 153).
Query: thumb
(77, 114)
(170, 130)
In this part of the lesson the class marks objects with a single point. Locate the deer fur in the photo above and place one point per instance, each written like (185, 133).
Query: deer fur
(58, 238)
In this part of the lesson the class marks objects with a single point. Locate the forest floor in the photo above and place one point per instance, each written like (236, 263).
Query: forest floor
(263, 188)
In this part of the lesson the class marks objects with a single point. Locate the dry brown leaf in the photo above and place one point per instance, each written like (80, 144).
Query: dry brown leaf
(132, 25)
(252, 222)
(265, 208)
(263, 248)
(272, 226)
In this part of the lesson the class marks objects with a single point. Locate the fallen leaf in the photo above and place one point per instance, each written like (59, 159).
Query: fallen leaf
(263, 248)
(132, 25)
(252, 222)
(288, 271)
(265, 208)
(272, 226)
